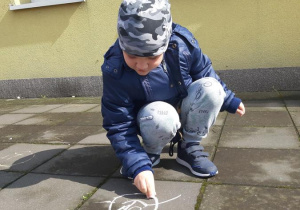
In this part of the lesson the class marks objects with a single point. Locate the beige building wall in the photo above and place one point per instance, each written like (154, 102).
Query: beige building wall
(70, 40)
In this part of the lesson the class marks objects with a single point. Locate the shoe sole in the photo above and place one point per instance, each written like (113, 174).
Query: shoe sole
(182, 162)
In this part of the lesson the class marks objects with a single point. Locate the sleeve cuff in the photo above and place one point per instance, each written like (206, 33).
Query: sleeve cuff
(143, 168)
(234, 105)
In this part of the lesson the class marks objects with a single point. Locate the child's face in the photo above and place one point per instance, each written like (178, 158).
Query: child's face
(142, 65)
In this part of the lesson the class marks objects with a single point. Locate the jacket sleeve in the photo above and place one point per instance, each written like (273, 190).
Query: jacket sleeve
(201, 66)
(120, 122)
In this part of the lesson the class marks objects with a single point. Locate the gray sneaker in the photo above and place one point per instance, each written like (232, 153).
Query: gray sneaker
(191, 155)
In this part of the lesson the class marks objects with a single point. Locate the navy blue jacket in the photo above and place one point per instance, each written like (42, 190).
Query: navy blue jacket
(125, 92)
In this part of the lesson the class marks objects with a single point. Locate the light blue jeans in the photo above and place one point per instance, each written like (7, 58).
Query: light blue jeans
(159, 121)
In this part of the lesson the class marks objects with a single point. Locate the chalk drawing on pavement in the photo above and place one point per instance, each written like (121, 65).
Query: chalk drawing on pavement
(134, 203)
(26, 155)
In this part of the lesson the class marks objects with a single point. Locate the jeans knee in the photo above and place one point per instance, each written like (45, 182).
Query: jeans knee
(158, 121)
(209, 89)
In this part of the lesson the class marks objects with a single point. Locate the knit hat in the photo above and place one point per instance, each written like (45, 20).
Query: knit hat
(144, 27)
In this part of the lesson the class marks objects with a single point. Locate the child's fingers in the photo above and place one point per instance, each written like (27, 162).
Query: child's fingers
(241, 109)
(150, 188)
(241, 112)
(145, 183)
(141, 185)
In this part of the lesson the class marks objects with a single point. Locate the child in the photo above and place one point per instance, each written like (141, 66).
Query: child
(154, 73)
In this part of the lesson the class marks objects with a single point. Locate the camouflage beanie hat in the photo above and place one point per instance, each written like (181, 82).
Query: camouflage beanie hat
(144, 27)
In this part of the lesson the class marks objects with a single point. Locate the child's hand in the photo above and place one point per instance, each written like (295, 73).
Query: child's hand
(241, 109)
(144, 181)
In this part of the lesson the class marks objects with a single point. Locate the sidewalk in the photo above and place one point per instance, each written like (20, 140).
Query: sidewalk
(54, 155)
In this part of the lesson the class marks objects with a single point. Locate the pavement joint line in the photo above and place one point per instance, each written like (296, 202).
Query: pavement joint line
(201, 180)
(6, 185)
(200, 195)
(30, 171)
(33, 114)
(91, 109)
(259, 148)
(45, 143)
(253, 185)
(216, 146)
(66, 175)
(253, 126)
(106, 179)
(297, 131)
(205, 181)
(93, 144)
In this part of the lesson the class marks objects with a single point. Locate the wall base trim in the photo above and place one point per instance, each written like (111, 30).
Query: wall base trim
(245, 80)
(51, 87)
(262, 80)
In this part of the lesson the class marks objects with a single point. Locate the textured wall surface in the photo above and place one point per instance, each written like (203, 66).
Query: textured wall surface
(69, 41)
(56, 41)
(244, 34)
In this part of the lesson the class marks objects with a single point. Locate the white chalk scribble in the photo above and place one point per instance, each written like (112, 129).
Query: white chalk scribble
(14, 156)
(135, 203)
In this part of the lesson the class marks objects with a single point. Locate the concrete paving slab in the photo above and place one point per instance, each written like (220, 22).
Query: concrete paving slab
(5, 108)
(8, 177)
(76, 100)
(25, 157)
(48, 119)
(266, 118)
(8, 119)
(37, 120)
(82, 160)
(212, 137)
(265, 167)
(293, 105)
(258, 95)
(260, 150)
(37, 108)
(63, 100)
(48, 192)
(74, 108)
(5, 145)
(290, 95)
(121, 194)
(264, 105)
(259, 137)
(64, 134)
(79, 100)
(96, 109)
(86, 118)
(19, 133)
(246, 197)
(296, 118)
(28, 101)
(221, 118)
(96, 139)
